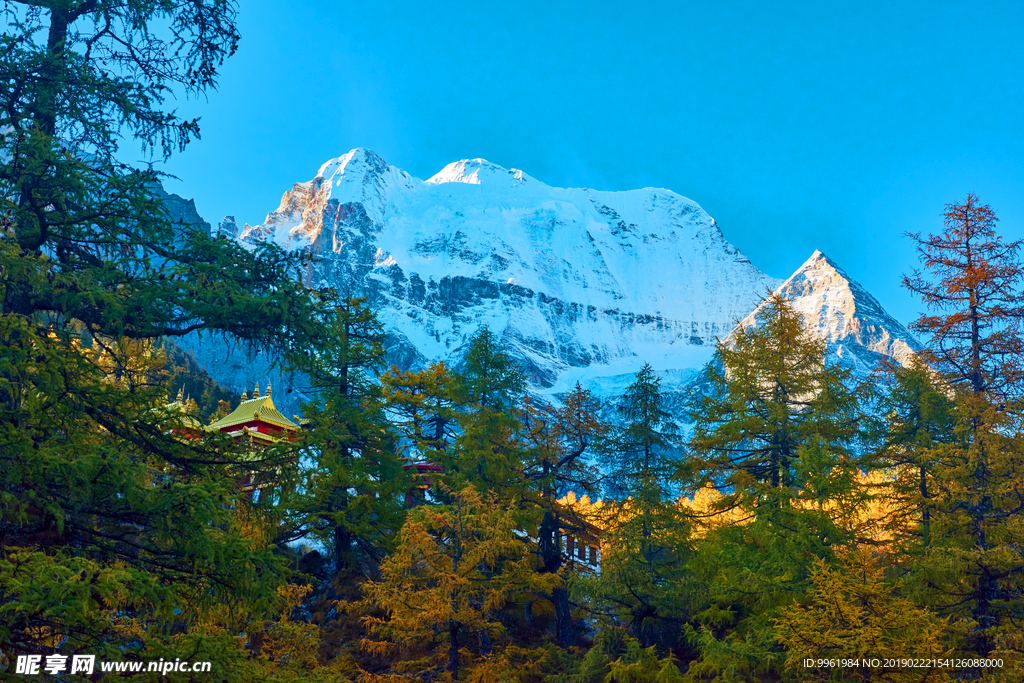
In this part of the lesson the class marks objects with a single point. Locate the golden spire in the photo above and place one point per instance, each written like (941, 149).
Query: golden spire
(256, 391)
(245, 395)
(180, 393)
(268, 387)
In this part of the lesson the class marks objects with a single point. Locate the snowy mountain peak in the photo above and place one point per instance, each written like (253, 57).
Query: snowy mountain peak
(839, 309)
(818, 260)
(580, 285)
(479, 172)
(357, 162)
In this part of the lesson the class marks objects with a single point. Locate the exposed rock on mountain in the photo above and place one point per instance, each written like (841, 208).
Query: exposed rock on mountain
(858, 330)
(581, 285)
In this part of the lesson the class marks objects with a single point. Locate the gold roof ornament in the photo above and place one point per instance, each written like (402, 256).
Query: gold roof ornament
(268, 387)
(179, 417)
(245, 395)
(256, 391)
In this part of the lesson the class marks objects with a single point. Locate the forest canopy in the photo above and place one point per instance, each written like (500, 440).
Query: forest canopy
(440, 523)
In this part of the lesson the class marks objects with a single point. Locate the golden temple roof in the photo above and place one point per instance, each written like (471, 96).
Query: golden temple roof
(259, 408)
(177, 411)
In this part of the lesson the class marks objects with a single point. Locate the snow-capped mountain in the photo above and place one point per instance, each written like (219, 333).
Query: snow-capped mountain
(858, 330)
(581, 285)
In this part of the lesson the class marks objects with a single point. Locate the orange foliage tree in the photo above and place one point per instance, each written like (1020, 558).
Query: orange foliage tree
(970, 283)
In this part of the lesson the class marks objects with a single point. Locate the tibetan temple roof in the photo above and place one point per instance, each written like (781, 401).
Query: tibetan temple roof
(177, 413)
(259, 409)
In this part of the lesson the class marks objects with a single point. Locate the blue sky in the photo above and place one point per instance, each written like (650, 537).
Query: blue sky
(797, 125)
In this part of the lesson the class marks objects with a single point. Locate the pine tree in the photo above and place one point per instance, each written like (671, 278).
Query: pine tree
(919, 416)
(645, 544)
(98, 494)
(488, 393)
(454, 569)
(852, 613)
(562, 442)
(353, 490)
(777, 436)
(971, 282)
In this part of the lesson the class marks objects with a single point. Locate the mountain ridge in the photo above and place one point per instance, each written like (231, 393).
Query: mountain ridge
(580, 284)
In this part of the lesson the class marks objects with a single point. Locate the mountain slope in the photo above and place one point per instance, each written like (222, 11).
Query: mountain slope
(571, 279)
(858, 330)
(581, 285)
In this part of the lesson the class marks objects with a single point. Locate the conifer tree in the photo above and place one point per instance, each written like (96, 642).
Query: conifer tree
(777, 436)
(421, 407)
(455, 568)
(919, 417)
(562, 442)
(646, 533)
(488, 393)
(971, 283)
(971, 280)
(98, 494)
(353, 489)
(853, 613)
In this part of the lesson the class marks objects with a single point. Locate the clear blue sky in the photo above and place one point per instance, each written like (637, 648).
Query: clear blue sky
(797, 125)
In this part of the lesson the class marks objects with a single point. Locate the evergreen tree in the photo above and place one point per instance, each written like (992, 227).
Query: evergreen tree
(353, 489)
(562, 441)
(971, 282)
(777, 436)
(919, 416)
(488, 394)
(98, 493)
(645, 545)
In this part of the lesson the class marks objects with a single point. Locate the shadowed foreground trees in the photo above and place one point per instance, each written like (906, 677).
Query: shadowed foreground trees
(116, 537)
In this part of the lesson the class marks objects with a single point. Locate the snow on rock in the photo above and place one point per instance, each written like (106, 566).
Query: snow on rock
(581, 285)
(858, 330)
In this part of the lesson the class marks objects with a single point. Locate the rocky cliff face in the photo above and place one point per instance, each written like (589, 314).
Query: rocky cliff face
(859, 331)
(581, 285)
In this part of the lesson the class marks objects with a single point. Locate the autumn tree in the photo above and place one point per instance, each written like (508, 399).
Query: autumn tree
(455, 567)
(970, 282)
(421, 407)
(852, 612)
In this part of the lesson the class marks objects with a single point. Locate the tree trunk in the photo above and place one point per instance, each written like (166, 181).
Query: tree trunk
(565, 629)
(551, 556)
(486, 646)
(453, 648)
(342, 548)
